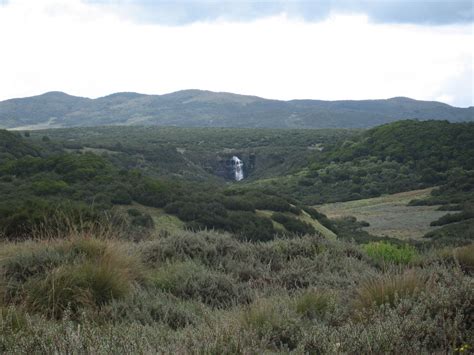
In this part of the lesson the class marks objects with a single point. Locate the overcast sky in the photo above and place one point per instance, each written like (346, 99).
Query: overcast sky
(324, 49)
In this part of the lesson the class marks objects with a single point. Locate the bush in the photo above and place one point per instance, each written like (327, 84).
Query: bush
(147, 307)
(293, 225)
(208, 248)
(383, 252)
(453, 217)
(189, 280)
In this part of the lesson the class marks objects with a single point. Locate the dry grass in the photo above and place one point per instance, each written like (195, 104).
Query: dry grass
(388, 289)
(314, 304)
(465, 257)
(51, 276)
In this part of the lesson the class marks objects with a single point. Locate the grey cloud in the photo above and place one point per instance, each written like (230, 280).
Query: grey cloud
(178, 12)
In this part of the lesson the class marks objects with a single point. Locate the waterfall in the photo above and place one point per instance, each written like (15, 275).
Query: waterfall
(237, 165)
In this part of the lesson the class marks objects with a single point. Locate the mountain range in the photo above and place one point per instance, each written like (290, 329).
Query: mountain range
(198, 108)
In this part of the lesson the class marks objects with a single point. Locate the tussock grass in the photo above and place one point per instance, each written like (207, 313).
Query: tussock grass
(314, 304)
(465, 257)
(389, 288)
(273, 321)
(52, 276)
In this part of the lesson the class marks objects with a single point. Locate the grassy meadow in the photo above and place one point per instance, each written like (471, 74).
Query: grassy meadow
(385, 212)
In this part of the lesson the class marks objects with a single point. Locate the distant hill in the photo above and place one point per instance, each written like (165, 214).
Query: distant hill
(197, 108)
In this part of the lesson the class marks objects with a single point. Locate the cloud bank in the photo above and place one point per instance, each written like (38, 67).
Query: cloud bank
(179, 12)
(90, 49)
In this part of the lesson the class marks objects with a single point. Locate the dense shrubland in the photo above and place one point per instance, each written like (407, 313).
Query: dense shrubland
(85, 187)
(400, 156)
(82, 271)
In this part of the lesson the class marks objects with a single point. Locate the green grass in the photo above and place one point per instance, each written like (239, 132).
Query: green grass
(386, 253)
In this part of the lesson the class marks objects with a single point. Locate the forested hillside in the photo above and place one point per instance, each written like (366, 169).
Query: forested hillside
(45, 190)
(400, 156)
(196, 108)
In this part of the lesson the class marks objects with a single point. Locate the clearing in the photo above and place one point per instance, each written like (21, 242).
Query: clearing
(389, 215)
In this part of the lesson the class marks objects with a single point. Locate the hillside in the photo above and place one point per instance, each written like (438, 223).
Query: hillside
(396, 157)
(196, 108)
(126, 240)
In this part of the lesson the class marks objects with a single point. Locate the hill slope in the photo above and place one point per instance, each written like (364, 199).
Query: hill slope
(196, 108)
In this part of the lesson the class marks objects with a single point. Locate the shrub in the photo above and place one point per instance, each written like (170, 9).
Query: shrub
(383, 252)
(321, 217)
(293, 225)
(208, 248)
(189, 280)
(387, 289)
(147, 307)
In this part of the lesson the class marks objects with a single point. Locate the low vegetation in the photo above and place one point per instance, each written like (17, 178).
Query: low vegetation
(209, 292)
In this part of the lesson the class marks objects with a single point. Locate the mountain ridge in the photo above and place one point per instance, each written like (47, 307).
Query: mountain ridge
(202, 108)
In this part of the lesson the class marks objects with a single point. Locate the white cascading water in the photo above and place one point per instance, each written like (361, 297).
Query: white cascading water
(238, 171)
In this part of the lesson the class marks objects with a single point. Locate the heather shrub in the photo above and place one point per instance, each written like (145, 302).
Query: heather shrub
(190, 280)
(148, 307)
(208, 248)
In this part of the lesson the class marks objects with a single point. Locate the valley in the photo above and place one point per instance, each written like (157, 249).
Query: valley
(158, 239)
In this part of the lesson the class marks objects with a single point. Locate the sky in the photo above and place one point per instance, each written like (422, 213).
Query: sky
(327, 50)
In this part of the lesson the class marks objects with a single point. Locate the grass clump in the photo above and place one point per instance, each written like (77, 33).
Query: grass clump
(274, 322)
(54, 276)
(388, 289)
(465, 257)
(314, 304)
(383, 253)
(12, 319)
